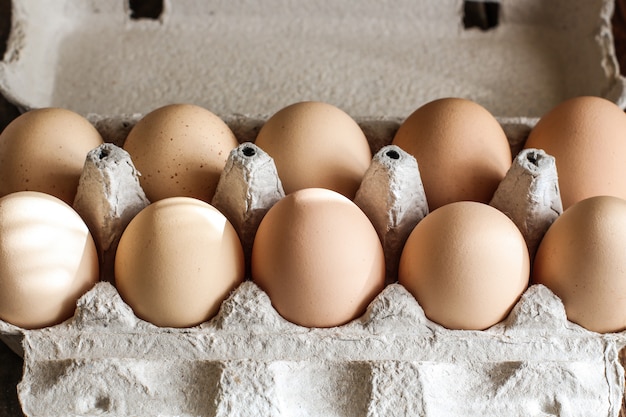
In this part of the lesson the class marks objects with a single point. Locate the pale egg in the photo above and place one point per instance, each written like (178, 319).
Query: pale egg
(316, 145)
(48, 259)
(461, 149)
(180, 150)
(176, 262)
(582, 260)
(318, 258)
(44, 150)
(467, 264)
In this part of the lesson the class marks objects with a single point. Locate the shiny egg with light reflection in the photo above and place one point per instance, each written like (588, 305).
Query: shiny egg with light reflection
(176, 261)
(48, 259)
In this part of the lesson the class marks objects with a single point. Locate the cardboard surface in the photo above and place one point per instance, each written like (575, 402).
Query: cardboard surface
(368, 58)
(393, 361)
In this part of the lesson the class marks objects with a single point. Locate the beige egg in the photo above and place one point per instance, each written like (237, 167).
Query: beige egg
(180, 151)
(318, 258)
(177, 261)
(45, 150)
(467, 264)
(581, 259)
(48, 259)
(587, 138)
(461, 149)
(316, 145)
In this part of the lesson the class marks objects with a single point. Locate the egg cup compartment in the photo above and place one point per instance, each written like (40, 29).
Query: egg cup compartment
(393, 360)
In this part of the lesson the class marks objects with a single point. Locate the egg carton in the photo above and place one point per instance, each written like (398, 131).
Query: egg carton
(248, 360)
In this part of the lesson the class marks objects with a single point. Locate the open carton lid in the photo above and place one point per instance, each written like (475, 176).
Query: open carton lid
(370, 58)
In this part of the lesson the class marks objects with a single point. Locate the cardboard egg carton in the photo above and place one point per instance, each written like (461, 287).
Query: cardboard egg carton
(248, 360)
(245, 60)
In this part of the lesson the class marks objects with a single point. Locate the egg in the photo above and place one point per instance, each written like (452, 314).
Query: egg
(461, 150)
(316, 145)
(177, 260)
(318, 258)
(44, 150)
(466, 263)
(180, 151)
(581, 259)
(48, 259)
(587, 138)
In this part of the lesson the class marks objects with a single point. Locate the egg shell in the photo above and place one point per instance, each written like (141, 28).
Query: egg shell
(180, 151)
(581, 259)
(44, 150)
(48, 259)
(176, 261)
(461, 149)
(316, 145)
(467, 264)
(318, 257)
(587, 137)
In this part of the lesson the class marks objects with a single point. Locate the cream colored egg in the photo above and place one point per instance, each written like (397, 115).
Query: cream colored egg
(467, 264)
(319, 258)
(48, 259)
(316, 145)
(180, 151)
(581, 259)
(177, 261)
(587, 138)
(461, 149)
(45, 150)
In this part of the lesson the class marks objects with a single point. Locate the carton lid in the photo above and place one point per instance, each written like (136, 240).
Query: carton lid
(368, 57)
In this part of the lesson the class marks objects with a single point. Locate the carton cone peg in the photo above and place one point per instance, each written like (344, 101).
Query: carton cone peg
(248, 187)
(108, 197)
(529, 195)
(392, 195)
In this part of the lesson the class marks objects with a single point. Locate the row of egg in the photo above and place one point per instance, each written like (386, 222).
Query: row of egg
(316, 254)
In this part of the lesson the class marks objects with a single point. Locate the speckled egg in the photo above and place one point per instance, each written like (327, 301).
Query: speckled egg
(180, 151)
(44, 150)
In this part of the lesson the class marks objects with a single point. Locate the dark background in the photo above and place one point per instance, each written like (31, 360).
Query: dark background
(10, 363)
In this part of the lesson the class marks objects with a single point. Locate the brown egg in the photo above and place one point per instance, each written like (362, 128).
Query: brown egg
(461, 150)
(467, 264)
(48, 259)
(581, 259)
(177, 260)
(316, 144)
(44, 150)
(180, 151)
(318, 257)
(587, 138)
